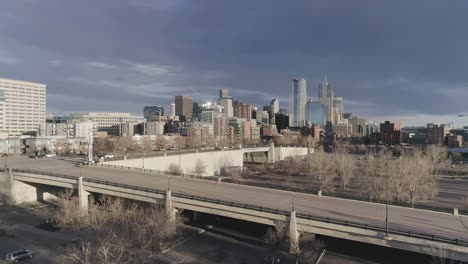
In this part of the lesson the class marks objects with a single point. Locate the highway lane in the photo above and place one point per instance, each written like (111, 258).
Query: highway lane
(363, 212)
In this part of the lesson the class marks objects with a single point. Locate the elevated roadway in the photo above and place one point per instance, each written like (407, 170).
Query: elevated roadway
(311, 209)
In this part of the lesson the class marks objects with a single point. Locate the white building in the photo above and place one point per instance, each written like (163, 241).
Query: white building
(22, 106)
(108, 122)
(297, 102)
(274, 106)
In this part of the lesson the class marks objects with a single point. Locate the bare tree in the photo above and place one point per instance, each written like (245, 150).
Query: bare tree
(223, 166)
(200, 168)
(437, 156)
(374, 172)
(345, 165)
(124, 145)
(174, 169)
(309, 249)
(419, 181)
(115, 231)
(102, 146)
(321, 167)
(442, 255)
(161, 142)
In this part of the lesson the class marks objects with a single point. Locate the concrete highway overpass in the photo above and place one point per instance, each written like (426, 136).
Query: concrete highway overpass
(410, 229)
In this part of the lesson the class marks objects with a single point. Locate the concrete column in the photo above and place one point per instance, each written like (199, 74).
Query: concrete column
(455, 212)
(271, 153)
(82, 196)
(196, 216)
(170, 211)
(293, 234)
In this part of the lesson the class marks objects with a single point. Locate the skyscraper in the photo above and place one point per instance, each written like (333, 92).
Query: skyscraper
(225, 100)
(326, 96)
(316, 112)
(338, 109)
(223, 93)
(297, 103)
(184, 106)
(274, 106)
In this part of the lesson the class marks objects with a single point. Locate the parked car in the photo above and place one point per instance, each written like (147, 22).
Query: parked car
(109, 156)
(50, 155)
(18, 255)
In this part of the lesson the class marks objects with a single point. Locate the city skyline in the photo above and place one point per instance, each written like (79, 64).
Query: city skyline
(380, 67)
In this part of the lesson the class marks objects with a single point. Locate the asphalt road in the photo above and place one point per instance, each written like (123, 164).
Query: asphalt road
(367, 213)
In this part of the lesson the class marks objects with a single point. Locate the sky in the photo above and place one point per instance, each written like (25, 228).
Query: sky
(390, 60)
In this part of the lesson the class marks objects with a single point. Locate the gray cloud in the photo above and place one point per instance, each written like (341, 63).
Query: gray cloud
(392, 58)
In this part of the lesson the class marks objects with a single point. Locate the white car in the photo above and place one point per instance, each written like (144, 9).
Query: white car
(50, 155)
(18, 254)
(109, 156)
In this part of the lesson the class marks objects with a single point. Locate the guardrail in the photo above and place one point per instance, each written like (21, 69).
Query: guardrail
(395, 231)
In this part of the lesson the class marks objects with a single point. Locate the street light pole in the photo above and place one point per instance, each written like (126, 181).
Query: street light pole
(386, 205)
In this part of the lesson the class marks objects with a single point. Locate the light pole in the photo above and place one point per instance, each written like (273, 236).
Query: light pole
(386, 204)
(143, 142)
(7, 152)
(293, 200)
(180, 168)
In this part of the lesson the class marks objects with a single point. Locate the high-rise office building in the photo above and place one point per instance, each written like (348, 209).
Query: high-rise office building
(274, 106)
(173, 112)
(337, 109)
(152, 111)
(297, 103)
(22, 106)
(184, 106)
(316, 112)
(225, 100)
(326, 96)
(224, 93)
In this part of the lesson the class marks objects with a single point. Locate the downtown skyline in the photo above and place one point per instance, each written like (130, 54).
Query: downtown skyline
(144, 53)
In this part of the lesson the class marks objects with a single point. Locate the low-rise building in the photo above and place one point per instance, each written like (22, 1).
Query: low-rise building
(455, 141)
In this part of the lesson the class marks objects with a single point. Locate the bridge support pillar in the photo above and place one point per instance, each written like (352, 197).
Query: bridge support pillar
(196, 216)
(82, 196)
(293, 234)
(271, 153)
(170, 211)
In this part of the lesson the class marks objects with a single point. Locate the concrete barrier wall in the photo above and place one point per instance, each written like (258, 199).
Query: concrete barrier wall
(212, 160)
(282, 153)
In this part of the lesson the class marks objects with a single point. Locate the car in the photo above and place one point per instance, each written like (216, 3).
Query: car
(109, 156)
(18, 255)
(50, 155)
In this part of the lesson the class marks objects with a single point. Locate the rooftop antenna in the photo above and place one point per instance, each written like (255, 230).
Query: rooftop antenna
(325, 78)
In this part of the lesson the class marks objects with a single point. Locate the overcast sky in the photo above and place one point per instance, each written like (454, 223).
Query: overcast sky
(403, 60)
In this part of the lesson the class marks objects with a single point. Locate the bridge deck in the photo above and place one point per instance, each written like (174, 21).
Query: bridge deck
(436, 223)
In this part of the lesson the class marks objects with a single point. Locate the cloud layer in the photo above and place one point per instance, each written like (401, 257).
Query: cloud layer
(402, 59)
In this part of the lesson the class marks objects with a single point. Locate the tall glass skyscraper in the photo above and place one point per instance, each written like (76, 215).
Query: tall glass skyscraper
(297, 103)
(316, 112)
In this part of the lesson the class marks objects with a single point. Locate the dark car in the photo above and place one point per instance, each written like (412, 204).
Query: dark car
(18, 255)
